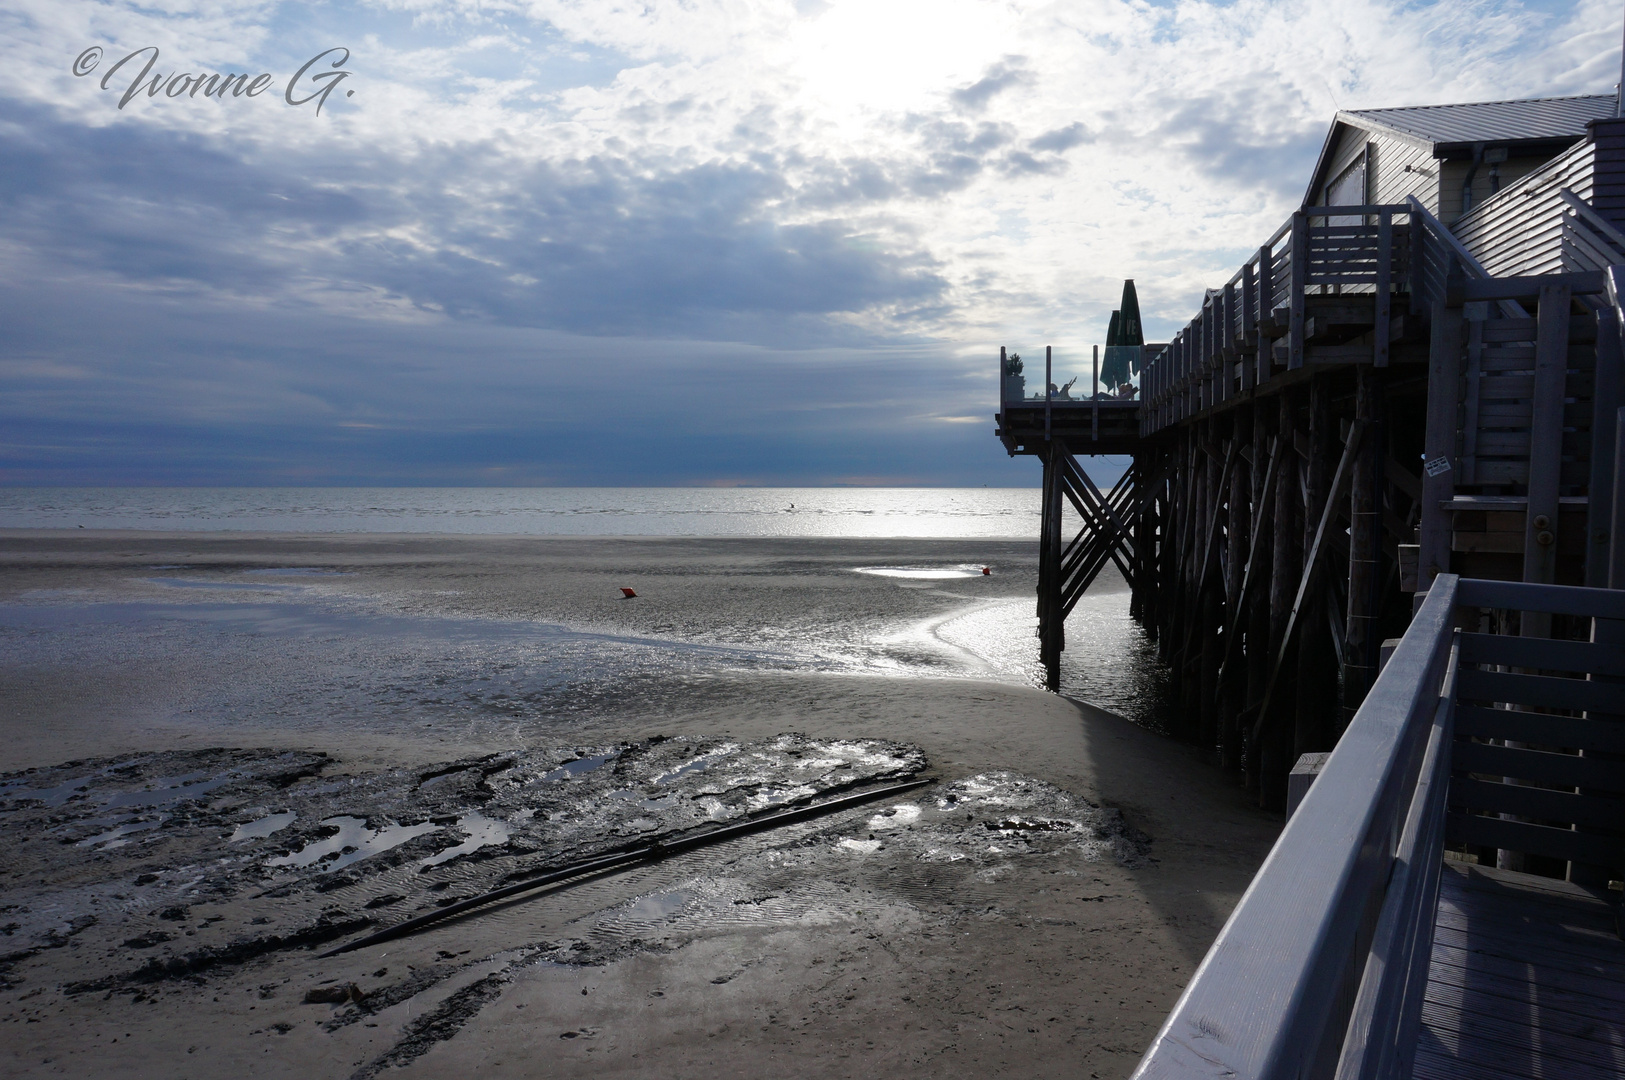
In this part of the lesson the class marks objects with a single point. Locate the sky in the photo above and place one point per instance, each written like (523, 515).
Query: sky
(649, 242)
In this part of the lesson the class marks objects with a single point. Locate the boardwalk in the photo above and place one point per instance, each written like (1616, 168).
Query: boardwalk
(1527, 981)
(1401, 415)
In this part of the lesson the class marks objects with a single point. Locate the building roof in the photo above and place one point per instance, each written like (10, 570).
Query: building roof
(1489, 121)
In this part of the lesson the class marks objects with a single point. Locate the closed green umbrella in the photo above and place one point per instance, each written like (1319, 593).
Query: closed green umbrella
(1123, 340)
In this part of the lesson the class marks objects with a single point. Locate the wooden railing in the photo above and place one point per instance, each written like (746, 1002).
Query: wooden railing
(1228, 348)
(1321, 969)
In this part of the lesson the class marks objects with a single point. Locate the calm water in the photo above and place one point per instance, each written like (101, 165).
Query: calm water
(925, 611)
(969, 513)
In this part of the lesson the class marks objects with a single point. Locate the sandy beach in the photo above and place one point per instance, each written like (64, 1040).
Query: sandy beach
(477, 706)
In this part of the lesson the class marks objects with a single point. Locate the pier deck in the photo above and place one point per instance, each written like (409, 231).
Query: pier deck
(1527, 981)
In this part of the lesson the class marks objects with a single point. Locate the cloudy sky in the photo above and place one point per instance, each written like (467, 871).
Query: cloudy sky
(649, 241)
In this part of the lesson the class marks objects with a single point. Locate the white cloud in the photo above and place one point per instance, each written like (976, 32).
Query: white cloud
(961, 172)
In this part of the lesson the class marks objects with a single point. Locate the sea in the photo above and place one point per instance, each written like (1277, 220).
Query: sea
(956, 513)
(910, 601)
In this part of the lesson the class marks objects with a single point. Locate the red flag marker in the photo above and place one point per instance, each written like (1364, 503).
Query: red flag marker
(629, 593)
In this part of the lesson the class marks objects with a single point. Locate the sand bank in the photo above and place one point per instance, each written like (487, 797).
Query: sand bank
(1037, 910)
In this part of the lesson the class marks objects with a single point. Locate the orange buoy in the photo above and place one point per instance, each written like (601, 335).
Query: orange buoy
(629, 593)
(987, 571)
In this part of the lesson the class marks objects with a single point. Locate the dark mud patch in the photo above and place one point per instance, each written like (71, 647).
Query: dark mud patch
(193, 964)
(442, 1022)
(176, 853)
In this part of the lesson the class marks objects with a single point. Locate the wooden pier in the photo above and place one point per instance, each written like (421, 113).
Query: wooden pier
(1376, 507)
(1366, 403)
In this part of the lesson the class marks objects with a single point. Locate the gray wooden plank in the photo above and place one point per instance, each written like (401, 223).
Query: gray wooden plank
(1538, 804)
(1542, 729)
(1530, 953)
(1514, 943)
(1554, 770)
(1495, 1037)
(1435, 1063)
(1465, 882)
(1546, 691)
(1519, 992)
(1556, 843)
(1588, 933)
(1592, 929)
(1453, 1001)
(1548, 653)
(1450, 1055)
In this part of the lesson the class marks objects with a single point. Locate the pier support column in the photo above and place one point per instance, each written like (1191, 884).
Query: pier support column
(1051, 631)
(1258, 608)
(1365, 543)
(1232, 692)
(1316, 720)
(1274, 758)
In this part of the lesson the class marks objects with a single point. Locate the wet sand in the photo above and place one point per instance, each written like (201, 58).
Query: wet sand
(1096, 860)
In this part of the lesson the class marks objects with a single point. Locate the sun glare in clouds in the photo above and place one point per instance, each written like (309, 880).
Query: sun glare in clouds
(859, 59)
(800, 212)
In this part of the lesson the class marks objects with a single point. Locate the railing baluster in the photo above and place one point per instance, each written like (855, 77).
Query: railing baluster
(1385, 253)
(1299, 272)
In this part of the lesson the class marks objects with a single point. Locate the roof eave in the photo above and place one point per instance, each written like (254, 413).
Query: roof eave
(1555, 144)
(1370, 124)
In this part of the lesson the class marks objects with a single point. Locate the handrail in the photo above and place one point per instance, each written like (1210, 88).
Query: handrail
(1441, 233)
(1230, 334)
(1273, 997)
(1321, 970)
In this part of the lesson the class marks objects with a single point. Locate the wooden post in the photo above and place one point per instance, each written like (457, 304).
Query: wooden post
(1385, 260)
(1546, 445)
(1273, 752)
(1258, 610)
(1238, 529)
(1616, 534)
(1049, 393)
(1249, 326)
(1266, 296)
(1416, 270)
(1299, 275)
(1094, 398)
(1439, 457)
(1050, 624)
(1365, 537)
(1606, 395)
(1317, 678)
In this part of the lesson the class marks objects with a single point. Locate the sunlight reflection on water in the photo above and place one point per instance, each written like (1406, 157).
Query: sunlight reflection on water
(1009, 513)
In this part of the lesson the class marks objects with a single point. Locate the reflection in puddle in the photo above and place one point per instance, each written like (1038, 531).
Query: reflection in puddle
(921, 573)
(579, 766)
(660, 803)
(481, 832)
(657, 907)
(52, 797)
(298, 571)
(183, 583)
(114, 838)
(265, 826)
(699, 764)
(351, 843)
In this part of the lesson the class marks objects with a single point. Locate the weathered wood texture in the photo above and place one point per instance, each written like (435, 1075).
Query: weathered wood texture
(1527, 981)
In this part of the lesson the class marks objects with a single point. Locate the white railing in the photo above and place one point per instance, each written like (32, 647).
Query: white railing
(1320, 971)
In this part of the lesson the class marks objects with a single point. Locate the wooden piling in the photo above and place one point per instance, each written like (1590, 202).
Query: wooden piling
(1360, 639)
(1316, 662)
